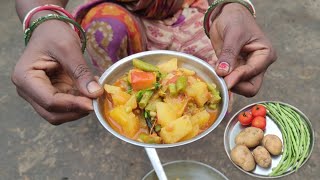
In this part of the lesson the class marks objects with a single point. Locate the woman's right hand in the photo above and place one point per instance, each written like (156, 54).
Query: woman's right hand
(53, 76)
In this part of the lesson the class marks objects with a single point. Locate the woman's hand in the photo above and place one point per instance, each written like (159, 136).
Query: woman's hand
(53, 76)
(244, 52)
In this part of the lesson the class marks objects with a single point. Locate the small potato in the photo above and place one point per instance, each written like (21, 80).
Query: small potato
(273, 144)
(262, 156)
(250, 137)
(242, 157)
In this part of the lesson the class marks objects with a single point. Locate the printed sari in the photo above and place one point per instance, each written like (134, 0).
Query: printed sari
(118, 28)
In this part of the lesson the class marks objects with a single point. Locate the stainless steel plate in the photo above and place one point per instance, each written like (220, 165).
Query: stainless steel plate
(234, 127)
(187, 170)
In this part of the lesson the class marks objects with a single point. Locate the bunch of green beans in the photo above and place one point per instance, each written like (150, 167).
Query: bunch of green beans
(295, 134)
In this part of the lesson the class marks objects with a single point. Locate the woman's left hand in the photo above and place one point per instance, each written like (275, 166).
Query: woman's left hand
(244, 52)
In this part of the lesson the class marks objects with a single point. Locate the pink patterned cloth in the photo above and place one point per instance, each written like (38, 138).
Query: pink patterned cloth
(181, 32)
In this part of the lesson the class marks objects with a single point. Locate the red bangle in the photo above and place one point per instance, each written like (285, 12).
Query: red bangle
(58, 9)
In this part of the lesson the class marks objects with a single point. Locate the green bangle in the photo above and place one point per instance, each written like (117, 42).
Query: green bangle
(28, 32)
(217, 3)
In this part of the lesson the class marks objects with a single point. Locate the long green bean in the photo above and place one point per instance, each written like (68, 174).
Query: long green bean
(216, 98)
(295, 135)
(173, 89)
(305, 138)
(275, 116)
(299, 135)
(283, 167)
(181, 83)
(145, 99)
(144, 66)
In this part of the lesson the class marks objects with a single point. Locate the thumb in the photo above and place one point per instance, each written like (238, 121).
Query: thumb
(227, 59)
(78, 69)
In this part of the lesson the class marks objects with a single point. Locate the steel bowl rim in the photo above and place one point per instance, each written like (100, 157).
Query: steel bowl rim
(166, 52)
(188, 161)
(261, 102)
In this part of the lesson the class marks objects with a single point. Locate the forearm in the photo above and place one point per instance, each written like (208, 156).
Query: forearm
(24, 6)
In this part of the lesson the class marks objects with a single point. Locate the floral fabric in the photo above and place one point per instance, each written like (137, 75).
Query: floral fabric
(116, 30)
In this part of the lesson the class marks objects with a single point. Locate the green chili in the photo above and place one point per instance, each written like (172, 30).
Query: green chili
(144, 66)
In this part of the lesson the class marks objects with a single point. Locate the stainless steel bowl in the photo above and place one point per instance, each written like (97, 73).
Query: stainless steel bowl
(188, 170)
(203, 70)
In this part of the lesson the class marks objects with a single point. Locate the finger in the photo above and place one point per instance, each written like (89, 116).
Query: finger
(39, 88)
(257, 62)
(74, 63)
(50, 67)
(249, 88)
(233, 42)
(51, 117)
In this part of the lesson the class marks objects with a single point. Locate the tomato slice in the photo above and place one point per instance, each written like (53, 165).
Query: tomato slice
(142, 80)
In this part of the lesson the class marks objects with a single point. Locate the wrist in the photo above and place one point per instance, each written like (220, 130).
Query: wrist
(41, 13)
(52, 23)
(216, 8)
(24, 6)
(230, 8)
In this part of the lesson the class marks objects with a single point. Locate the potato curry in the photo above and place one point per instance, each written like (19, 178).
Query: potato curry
(161, 104)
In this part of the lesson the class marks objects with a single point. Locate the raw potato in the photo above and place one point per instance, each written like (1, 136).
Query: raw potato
(242, 157)
(273, 144)
(262, 156)
(250, 137)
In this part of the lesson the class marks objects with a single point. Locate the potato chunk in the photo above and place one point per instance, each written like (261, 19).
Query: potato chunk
(127, 120)
(165, 113)
(195, 131)
(169, 66)
(201, 118)
(119, 97)
(178, 104)
(131, 103)
(176, 130)
(199, 91)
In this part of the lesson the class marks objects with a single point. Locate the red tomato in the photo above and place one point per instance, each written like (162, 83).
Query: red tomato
(258, 110)
(245, 118)
(142, 80)
(259, 122)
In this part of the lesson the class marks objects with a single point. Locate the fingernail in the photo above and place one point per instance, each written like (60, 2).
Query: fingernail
(224, 66)
(93, 86)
